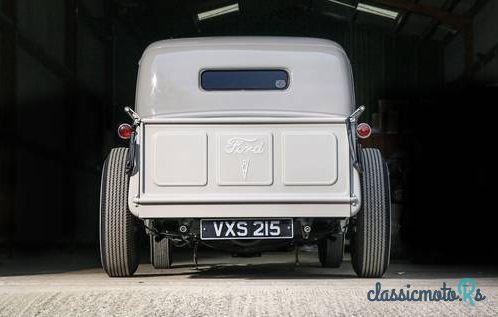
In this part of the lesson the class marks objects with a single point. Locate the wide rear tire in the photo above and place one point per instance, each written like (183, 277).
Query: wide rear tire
(160, 253)
(371, 236)
(331, 250)
(118, 227)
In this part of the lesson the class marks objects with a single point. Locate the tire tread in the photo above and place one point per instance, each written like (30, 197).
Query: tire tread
(331, 251)
(160, 253)
(118, 232)
(371, 238)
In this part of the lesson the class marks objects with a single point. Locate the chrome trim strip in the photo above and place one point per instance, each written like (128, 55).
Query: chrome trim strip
(250, 120)
(241, 199)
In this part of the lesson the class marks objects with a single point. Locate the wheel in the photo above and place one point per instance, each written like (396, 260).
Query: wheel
(330, 250)
(160, 253)
(371, 227)
(118, 227)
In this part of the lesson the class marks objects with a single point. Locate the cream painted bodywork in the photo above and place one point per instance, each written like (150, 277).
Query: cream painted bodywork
(245, 154)
(298, 168)
(319, 71)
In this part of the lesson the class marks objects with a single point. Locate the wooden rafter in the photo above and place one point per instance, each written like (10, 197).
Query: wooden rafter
(44, 57)
(402, 20)
(445, 17)
(449, 6)
(461, 22)
(36, 50)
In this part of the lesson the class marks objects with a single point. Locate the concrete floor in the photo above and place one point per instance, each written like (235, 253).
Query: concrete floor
(65, 285)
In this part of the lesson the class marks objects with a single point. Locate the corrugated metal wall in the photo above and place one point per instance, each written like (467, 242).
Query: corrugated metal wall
(385, 66)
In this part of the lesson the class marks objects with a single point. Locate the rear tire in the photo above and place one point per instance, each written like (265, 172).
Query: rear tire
(371, 227)
(160, 253)
(118, 227)
(331, 250)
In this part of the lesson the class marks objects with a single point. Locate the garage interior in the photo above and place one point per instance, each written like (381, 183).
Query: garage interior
(427, 71)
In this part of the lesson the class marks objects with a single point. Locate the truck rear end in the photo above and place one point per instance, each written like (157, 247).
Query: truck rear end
(243, 144)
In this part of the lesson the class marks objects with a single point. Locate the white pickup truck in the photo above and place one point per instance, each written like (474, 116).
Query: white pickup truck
(245, 144)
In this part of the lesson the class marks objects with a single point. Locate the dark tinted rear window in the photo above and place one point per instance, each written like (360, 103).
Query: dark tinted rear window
(244, 79)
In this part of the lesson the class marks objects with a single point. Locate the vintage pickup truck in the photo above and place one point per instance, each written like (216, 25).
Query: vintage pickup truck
(245, 144)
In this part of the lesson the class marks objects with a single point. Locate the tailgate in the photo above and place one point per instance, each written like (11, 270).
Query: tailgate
(244, 163)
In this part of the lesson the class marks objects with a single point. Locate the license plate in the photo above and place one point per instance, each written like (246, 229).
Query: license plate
(226, 229)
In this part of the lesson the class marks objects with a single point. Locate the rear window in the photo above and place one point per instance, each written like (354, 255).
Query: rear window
(246, 79)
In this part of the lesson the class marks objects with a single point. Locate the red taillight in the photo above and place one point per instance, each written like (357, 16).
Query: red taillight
(124, 131)
(363, 130)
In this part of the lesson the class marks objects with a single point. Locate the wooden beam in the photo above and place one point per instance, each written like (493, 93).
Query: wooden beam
(9, 29)
(445, 17)
(34, 49)
(355, 13)
(468, 37)
(484, 59)
(449, 5)
(402, 20)
(476, 8)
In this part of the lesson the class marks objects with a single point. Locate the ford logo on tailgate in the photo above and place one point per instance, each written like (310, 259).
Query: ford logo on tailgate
(245, 159)
(240, 145)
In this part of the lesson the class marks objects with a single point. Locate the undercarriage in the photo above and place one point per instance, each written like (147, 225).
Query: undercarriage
(186, 233)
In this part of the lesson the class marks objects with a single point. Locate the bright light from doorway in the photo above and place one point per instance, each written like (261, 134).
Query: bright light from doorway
(367, 8)
(377, 11)
(343, 4)
(217, 12)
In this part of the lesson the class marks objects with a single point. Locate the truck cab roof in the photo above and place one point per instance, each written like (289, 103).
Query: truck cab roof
(317, 78)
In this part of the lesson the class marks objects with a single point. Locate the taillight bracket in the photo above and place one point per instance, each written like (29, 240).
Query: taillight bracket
(130, 160)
